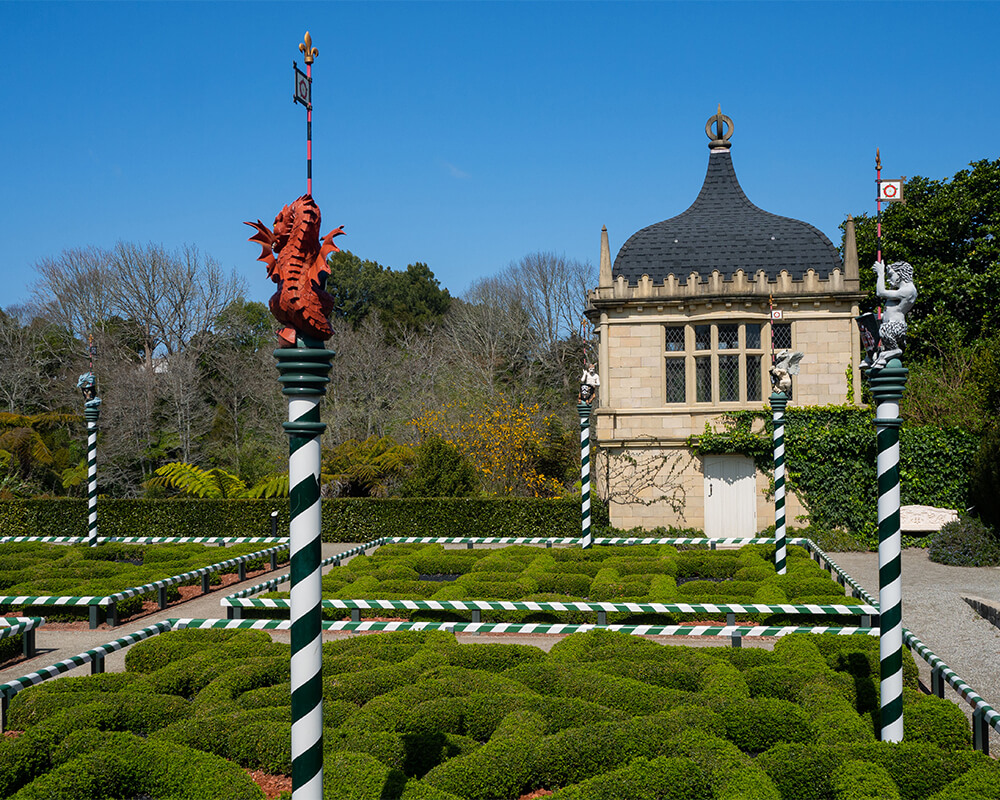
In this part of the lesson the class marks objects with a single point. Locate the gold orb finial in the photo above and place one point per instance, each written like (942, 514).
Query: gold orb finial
(723, 130)
(308, 50)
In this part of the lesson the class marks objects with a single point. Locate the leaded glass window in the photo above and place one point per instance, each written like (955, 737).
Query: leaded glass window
(702, 337)
(703, 379)
(753, 378)
(676, 383)
(781, 335)
(729, 379)
(675, 339)
(729, 337)
(729, 361)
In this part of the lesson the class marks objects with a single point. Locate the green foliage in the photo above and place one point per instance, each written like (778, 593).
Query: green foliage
(371, 468)
(985, 490)
(344, 519)
(412, 299)
(41, 569)
(862, 780)
(830, 460)
(439, 470)
(215, 484)
(981, 782)
(947, 230)
(965, 542)
(417, 716)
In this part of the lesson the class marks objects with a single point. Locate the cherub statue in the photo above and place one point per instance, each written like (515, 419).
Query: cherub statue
(783, 369)
(895, 284)
(589, 382)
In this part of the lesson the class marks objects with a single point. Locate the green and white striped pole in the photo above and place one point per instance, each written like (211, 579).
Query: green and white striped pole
(87, 384)
(587, 537)
(305, 371)
(778, 402)
(887, 386)
(91, 414)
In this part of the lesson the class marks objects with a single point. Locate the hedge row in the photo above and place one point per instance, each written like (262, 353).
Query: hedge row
(634, 573)
(417, 716)
(344, 519)
(38, 569)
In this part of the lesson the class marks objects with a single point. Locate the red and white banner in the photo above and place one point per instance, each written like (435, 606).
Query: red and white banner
(889, 191)
(776, 313)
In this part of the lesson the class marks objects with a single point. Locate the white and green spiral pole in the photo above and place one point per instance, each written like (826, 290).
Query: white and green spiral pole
(304, 372)
(87, 384)
(587, 536)
(779, 400)
(887, 386)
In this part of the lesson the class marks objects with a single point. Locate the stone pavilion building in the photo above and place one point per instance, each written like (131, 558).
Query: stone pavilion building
(685, 326)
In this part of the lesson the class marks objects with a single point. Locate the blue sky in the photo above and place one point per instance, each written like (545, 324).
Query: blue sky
(466, 135)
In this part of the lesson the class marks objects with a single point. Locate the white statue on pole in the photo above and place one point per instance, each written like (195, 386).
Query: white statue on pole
(589, 382)
(894, 283)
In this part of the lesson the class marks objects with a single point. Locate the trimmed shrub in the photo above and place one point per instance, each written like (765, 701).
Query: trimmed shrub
(799, 771)
(358, 776)
(861, 780)
(981, 782)
(139, 768)
(965, 542)
(663, 778)
(919, 770)
(494, 657)
(935, 720)
(757, 724)
(500, 769)
(624, 694)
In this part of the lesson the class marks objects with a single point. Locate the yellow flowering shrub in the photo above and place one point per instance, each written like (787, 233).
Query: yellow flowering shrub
(500, 441)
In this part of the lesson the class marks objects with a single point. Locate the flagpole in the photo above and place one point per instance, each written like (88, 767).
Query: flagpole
(309, 52)
(878, 215)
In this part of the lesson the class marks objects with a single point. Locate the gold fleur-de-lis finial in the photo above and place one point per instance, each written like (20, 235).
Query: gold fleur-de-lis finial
(307, 49)
(878, 159)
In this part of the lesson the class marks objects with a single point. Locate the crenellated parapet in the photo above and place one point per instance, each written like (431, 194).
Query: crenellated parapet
(740, 286)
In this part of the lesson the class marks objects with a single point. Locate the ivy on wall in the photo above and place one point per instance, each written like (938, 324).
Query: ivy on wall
(830, 461)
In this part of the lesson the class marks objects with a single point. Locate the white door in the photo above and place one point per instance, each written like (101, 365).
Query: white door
(730, 496)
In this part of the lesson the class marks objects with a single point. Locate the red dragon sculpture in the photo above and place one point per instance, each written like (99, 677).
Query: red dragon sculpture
(296, 261)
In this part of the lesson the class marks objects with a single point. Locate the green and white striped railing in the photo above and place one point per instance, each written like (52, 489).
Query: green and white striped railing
(531, 627)
(983, 714)
(856, 588)
(531, 605)
(112, 599)
(273, 583)
(220, 540)
(94, 657)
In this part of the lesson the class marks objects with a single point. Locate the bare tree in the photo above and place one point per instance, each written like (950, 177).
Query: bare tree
(553, 290)
(379, 383)
(171, 296)
(74, 289)
(491, 335)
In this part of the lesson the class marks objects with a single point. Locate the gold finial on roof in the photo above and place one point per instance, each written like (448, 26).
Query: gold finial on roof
(723, 130)
(307, 49)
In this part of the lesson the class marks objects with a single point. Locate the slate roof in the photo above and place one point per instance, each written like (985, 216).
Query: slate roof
(723, 230)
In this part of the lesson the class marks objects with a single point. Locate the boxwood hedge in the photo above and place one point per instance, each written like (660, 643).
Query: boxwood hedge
(417, 716)
(344, 519)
